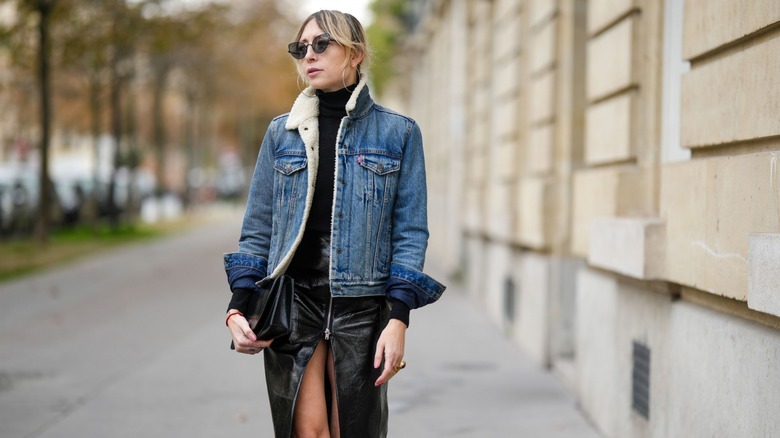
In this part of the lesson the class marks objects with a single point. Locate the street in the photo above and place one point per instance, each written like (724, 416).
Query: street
(132, 343)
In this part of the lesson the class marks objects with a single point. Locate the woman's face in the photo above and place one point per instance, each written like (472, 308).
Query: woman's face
(326, 70)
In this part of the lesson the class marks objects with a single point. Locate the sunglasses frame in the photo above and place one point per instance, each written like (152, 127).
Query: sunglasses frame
(319, 44)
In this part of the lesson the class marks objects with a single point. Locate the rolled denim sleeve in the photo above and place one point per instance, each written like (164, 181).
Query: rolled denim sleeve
(407, 282)
(412, 287)
(244, 270)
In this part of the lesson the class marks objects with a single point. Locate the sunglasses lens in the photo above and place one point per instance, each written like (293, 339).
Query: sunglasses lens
(320, 43)
(297, 50)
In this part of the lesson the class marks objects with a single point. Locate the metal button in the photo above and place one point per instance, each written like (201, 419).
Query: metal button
(338, 251)
(381, 167)
(341, 215)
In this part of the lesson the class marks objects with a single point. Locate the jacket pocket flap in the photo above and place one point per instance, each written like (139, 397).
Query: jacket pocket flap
(379, 164)
(289, 164)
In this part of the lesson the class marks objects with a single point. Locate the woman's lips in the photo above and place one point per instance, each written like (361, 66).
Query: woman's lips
(312, 71)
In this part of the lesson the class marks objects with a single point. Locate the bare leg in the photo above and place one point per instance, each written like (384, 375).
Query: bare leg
(310, 418)
(334, 417)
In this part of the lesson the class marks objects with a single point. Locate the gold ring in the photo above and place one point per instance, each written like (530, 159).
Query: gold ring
(400, 367)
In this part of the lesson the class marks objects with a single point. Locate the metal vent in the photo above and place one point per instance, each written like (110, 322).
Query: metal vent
(509, 299)
(640, 380)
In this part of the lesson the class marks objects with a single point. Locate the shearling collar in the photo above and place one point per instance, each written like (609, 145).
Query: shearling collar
(307, 105)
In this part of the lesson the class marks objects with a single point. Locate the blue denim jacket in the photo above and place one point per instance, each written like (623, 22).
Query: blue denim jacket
(379, 230)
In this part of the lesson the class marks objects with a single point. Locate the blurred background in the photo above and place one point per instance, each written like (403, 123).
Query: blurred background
(135, 110)
(603, 190)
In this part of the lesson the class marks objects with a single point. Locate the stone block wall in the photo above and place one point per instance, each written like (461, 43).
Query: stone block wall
(602, 174)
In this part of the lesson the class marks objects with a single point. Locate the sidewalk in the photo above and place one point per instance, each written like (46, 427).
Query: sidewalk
(464, 379)
(132, 343)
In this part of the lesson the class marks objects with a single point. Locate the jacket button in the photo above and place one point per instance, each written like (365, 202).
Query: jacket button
(341, 215)
(381, 167)
(338, 251)
(343, 181)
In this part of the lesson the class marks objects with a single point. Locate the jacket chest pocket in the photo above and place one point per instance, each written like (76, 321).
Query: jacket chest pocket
(290, 178)
(378, 177)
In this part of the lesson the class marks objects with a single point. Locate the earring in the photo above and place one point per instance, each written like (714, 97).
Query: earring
(343, 81)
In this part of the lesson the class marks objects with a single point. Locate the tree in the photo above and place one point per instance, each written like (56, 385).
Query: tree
(44, 9)
(203, 78)
(85, 59)
(384, 33)
(161, 36)
(18, 36)
(126, 23)
(258, 79)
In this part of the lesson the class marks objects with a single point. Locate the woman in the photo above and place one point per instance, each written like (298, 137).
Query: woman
(337, 202)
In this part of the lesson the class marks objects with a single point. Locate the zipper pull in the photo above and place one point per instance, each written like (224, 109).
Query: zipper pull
(327, 334)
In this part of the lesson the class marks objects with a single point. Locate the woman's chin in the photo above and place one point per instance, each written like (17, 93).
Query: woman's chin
(325, 86)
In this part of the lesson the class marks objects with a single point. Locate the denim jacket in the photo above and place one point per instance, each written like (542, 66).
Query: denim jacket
(379, 230)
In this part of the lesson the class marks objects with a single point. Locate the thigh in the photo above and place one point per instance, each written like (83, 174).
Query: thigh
(334, 417)
(311, 413)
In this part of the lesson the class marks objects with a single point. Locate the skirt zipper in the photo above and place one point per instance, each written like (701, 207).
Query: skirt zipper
(328, 319)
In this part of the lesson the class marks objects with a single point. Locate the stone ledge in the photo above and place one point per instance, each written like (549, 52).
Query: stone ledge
(764, 273)
(630, 246)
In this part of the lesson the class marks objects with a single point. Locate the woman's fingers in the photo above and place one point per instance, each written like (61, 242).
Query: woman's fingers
(380, 351)
(387, 374)
(390, 347)
(244, 339)
(250, 347)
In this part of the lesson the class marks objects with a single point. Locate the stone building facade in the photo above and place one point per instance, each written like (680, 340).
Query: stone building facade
(603, 176)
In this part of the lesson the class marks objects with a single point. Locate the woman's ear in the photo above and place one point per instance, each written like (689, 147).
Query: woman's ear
(357, 58)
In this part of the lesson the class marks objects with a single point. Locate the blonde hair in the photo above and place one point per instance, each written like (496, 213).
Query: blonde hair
(344, 29)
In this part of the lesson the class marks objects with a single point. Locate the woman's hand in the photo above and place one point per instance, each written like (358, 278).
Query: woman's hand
(244, 339)
(390, 347)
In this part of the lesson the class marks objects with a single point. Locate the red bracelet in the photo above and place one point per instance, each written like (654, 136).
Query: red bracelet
(230, 315)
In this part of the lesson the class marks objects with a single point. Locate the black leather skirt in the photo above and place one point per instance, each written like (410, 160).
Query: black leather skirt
(352, 327)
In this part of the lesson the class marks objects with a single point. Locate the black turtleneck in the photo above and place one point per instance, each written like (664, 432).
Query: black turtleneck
(332, 110)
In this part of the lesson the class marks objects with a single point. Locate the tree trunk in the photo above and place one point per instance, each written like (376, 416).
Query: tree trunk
(189, 145)
(95, 109)
(43, 218)
(158, 122)
(116, 133)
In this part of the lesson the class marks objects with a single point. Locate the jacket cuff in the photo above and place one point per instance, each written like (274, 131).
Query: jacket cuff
(244, 270)
(412, 287)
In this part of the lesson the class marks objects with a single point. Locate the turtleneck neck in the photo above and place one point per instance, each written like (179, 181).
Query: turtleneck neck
(334, 103)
